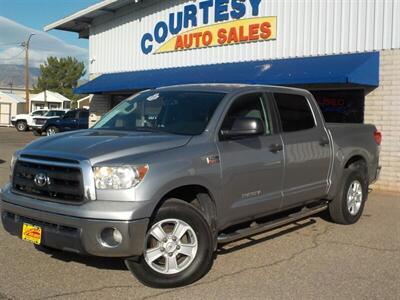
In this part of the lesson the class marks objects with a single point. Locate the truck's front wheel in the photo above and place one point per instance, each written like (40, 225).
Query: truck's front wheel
(178, 247)
(51, 130)
(21, 126)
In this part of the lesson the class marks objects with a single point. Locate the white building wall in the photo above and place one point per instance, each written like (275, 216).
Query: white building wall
(304, 28)
(382, 108)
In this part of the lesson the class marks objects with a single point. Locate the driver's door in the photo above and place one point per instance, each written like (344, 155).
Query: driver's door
(252, 166)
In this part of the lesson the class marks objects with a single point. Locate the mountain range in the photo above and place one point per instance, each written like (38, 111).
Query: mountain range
(15, 74)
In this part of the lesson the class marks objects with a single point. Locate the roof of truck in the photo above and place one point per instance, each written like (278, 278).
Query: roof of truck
(223, 87)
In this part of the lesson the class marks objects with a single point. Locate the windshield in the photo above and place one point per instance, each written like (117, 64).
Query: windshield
(54, 113)
(176, 112)
(39, 113)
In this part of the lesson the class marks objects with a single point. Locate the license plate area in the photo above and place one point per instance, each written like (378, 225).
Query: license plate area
(31, 233)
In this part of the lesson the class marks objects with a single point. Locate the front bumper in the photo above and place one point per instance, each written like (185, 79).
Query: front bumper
(13, 122)
(36, 127)
(76, 234)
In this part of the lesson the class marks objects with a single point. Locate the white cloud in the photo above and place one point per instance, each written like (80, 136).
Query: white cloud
(42, 45)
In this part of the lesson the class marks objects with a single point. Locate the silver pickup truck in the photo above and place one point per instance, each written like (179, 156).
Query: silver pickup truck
(170, 173)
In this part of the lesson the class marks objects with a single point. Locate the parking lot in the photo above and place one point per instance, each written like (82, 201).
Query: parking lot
(312, 259)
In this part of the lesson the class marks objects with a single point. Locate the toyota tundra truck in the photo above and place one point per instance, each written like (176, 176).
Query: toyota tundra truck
(170, 173)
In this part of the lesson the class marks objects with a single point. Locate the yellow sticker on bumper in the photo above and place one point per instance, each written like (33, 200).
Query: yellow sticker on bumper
(32, 233)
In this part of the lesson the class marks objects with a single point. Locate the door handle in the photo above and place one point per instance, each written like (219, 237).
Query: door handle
(274, 148)
(324, 141)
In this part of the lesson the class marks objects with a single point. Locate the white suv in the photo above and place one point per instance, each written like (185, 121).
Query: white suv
(24, 121)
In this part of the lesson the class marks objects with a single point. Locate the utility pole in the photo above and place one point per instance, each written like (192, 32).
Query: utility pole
(26, 46)
(45, 99)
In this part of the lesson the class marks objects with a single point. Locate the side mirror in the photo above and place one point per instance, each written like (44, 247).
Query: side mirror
(244, 126)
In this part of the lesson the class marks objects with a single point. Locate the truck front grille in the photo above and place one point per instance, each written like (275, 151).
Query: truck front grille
(40, 121)
(48, 182)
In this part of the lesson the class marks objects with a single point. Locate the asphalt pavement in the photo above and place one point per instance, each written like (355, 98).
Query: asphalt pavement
(311, 259)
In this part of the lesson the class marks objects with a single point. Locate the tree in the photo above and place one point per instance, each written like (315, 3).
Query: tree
(60, 75)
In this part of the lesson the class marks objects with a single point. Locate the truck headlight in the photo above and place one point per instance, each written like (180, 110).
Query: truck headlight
(119, 177)
(12, 163)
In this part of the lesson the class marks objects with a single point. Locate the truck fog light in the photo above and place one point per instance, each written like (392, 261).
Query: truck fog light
(111, 237)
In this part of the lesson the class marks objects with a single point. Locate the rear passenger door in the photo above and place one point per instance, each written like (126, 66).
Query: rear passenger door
(83, 119)
(306, 149)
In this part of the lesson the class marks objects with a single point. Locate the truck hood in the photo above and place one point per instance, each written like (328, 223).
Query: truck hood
(103, 145)
(20, 116)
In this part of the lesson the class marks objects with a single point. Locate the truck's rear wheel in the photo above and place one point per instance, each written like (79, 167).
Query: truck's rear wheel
(348, 205)
(21, 126)
(178, 247)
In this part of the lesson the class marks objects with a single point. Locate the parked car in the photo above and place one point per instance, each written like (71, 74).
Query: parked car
(38, 122)
(23, 122)
(170, 173)
(74, 119)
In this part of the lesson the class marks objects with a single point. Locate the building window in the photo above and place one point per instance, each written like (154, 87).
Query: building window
(341, 106)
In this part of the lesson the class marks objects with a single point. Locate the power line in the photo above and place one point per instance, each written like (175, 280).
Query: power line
(10, 44)
(15, 56)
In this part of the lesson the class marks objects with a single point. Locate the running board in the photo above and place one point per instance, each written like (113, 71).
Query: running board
(259, 228)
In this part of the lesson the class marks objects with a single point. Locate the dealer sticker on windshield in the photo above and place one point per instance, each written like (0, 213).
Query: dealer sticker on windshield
(153, 97)
(32, 233)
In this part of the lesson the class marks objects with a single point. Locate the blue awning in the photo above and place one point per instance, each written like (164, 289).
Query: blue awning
(359, 69)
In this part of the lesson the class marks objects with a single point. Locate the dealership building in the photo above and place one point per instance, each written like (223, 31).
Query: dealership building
(346, 52)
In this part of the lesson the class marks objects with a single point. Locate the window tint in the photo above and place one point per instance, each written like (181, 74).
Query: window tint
(295, 112)
(51, 113)
(59, 113)
(70, 115)
(251, 106)
(84, 114)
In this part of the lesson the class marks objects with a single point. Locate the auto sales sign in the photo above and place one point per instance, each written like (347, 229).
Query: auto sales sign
(223, 23)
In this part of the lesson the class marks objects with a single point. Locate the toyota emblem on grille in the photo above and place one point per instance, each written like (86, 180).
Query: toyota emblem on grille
(41, 179)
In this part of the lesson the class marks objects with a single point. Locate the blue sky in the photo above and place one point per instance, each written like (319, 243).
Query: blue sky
(20, 17)
(38, 13)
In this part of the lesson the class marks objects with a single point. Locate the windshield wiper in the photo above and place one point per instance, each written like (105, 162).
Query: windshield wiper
(149, 129)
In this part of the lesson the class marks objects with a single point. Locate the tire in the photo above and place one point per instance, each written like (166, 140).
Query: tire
(348, 205)
(51, 130)
(21, 126)
(156, 273)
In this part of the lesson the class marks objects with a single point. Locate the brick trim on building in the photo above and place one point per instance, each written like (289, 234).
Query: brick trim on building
(382, 108)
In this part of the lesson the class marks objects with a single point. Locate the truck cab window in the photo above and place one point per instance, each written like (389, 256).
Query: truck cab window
(38, 113)
(251, 106)
(84, 114)
(70, 115)
(295, 112)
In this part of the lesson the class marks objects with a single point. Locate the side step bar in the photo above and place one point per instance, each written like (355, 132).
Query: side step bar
(259, 228)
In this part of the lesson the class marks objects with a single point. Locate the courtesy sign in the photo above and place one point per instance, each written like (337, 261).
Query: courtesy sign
(224, 23)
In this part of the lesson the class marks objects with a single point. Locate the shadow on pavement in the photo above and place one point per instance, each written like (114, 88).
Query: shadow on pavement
(2, 161)
(90, 261)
